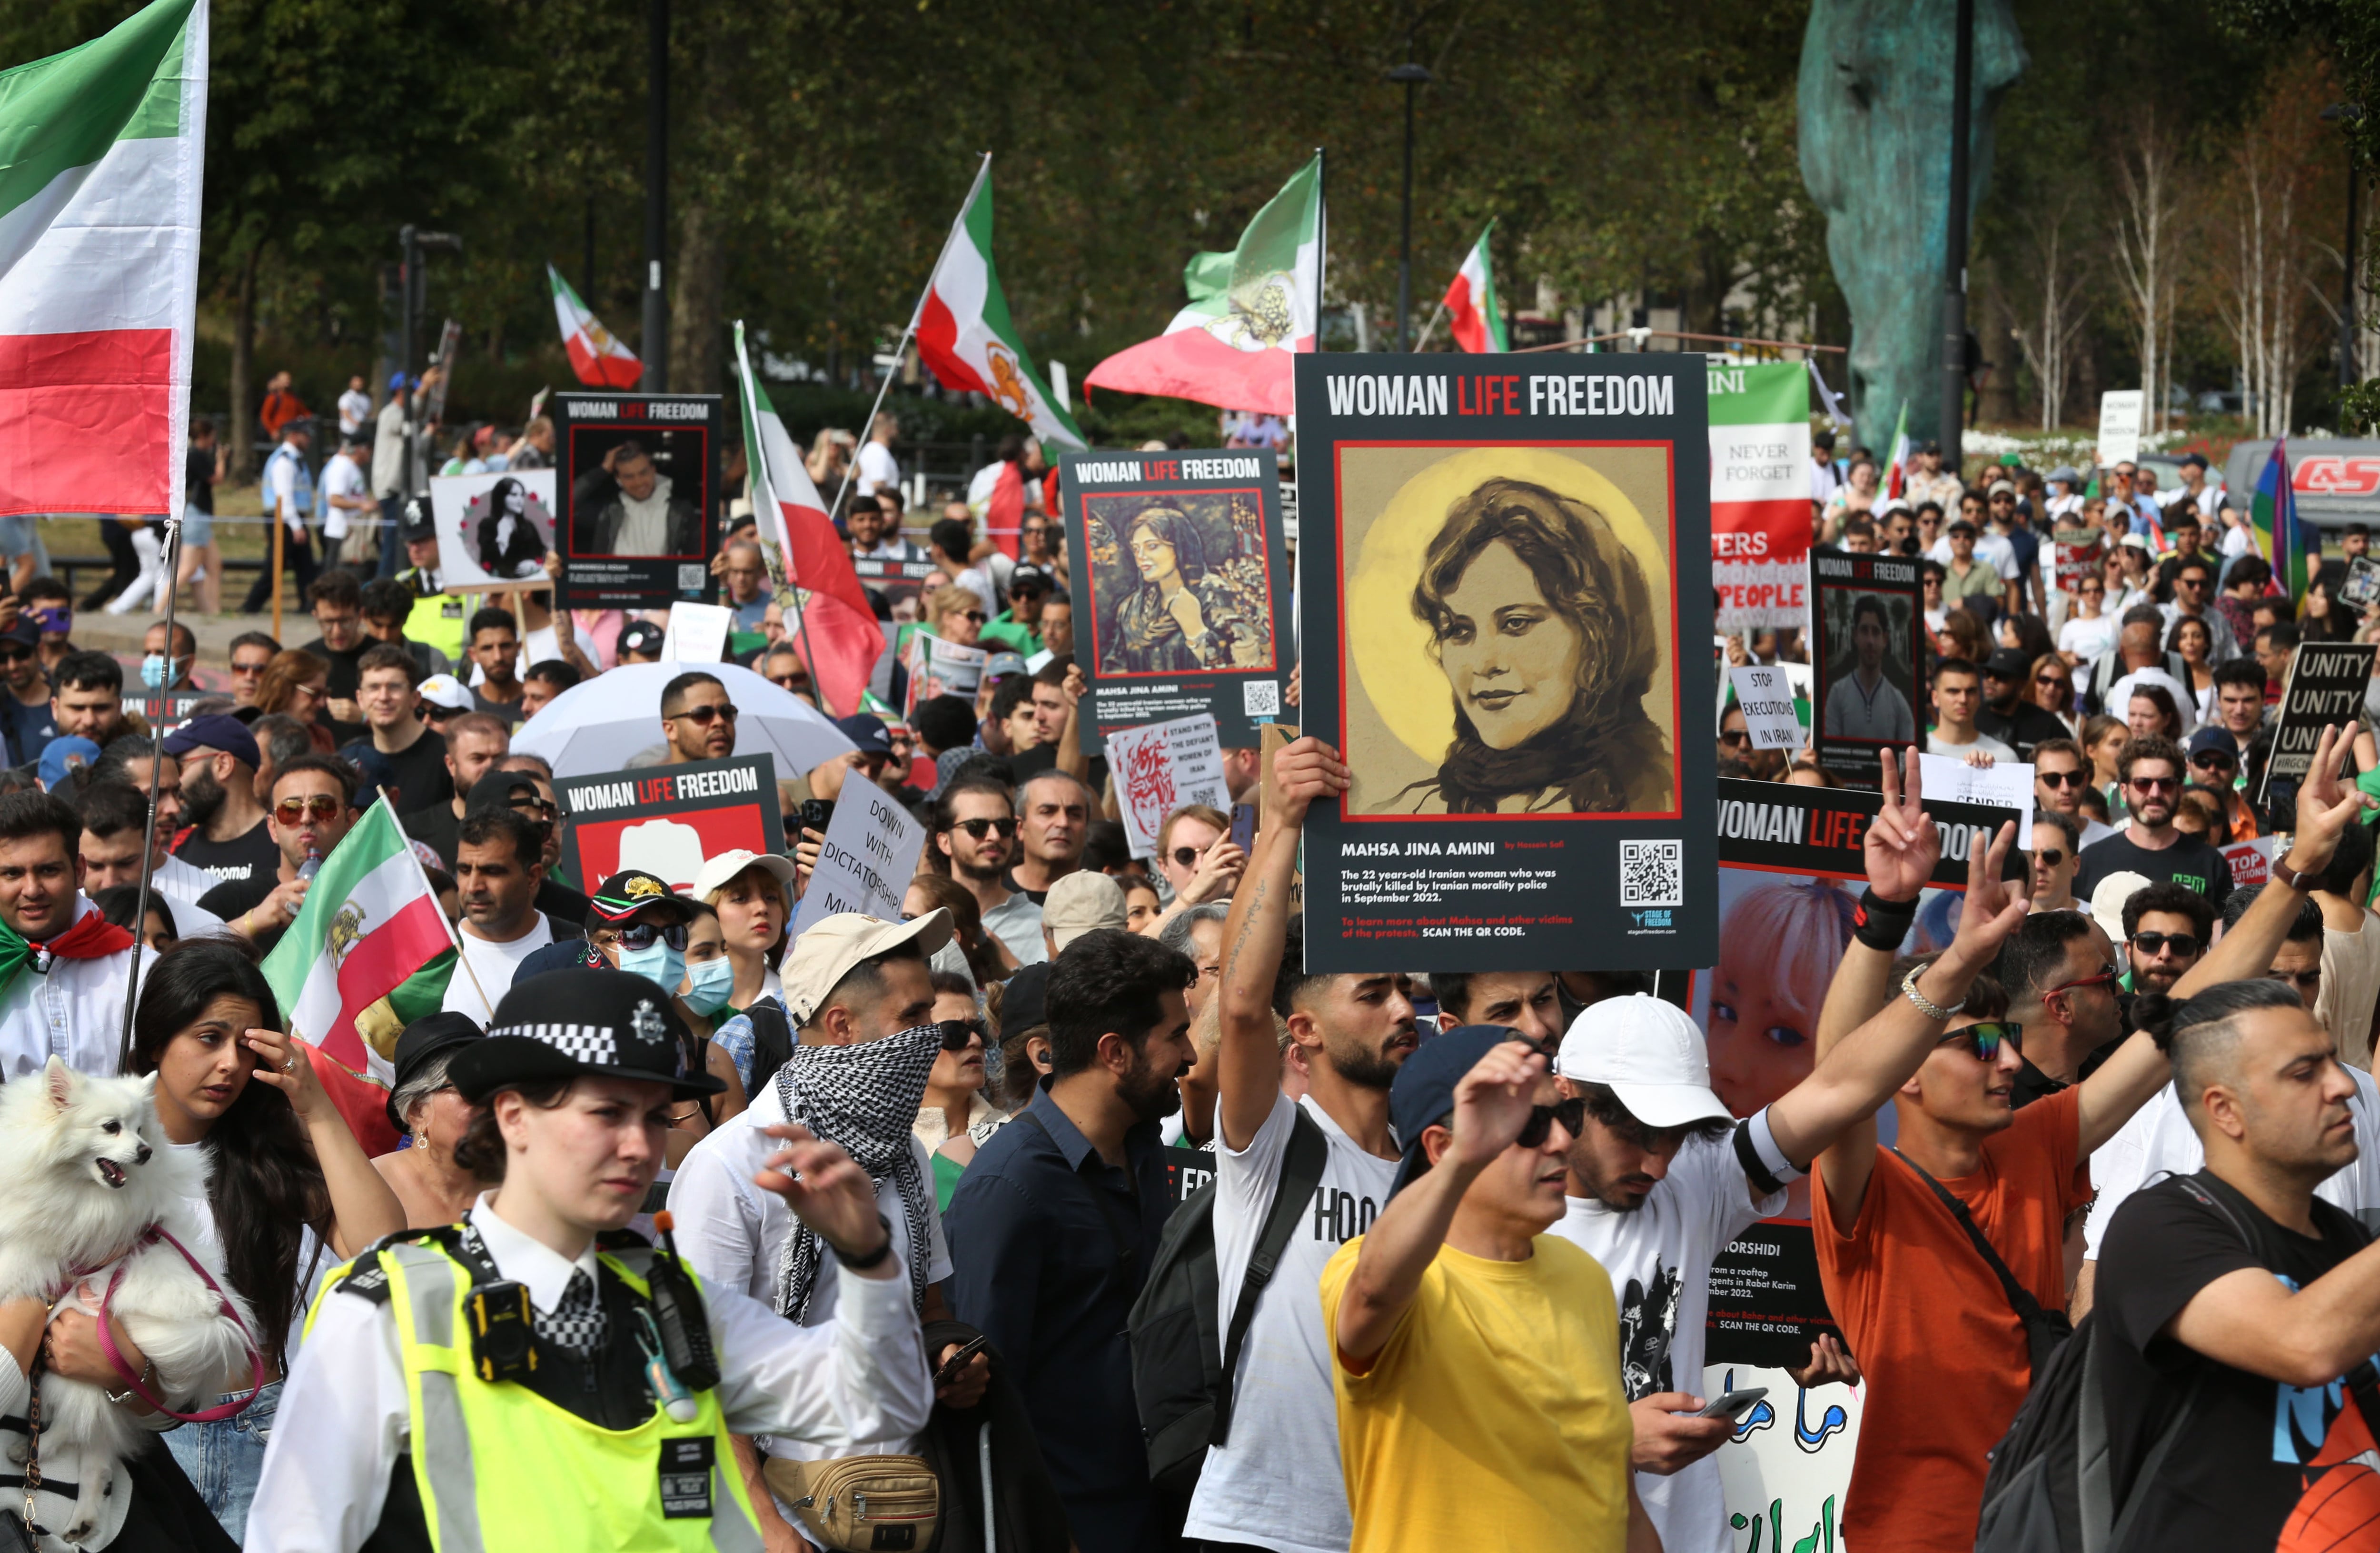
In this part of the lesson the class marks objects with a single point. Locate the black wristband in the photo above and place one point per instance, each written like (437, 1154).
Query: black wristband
(874, 1258)
(1881, 924)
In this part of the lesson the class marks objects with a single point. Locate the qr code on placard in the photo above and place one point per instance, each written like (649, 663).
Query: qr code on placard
(693, 578)
(1652, 873)
(1260, 697)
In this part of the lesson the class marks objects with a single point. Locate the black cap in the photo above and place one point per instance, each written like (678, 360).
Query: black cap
(1023, 1001)
(2007, 663)
(423, 1039)
(620, 897)
(640, 636)
(494, 790)
(1026, 577)
(580, 1025)
(1422, 1095)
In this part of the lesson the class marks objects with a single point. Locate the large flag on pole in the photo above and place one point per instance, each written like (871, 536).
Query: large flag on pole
(965, 335)
(596, 354)
(370, 921)
(2281, 537)
(829, 621)
(1896, 463)
(100, 154)
(1473, 312)
(1250, 310)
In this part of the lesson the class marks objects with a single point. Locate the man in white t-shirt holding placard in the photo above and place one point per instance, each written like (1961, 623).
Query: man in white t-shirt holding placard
(1277, 1481)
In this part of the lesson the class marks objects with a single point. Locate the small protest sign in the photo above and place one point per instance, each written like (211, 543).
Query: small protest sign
(1868, 623)
(696, 633)
(2080, 546)
(867, 860)
(666, 819)
(895, 579)
(2360, 591)
(2251, 861)
(1765, 694)
(940, 668)
(493, 530)
(1161, 766)
(2006, 784)
(2325, 686)
(2119, 427)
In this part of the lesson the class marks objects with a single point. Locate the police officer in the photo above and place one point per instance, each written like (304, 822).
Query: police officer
(437, 618)
(536, 1377)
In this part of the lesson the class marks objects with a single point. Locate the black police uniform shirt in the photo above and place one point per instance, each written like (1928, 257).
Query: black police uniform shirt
(2258, 1454)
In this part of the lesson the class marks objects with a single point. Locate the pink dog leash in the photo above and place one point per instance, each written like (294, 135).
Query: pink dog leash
(154, 1234)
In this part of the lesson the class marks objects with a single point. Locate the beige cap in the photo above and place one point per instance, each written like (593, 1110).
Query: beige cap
(717, 871)
(1083, 901)
(828, 948)
(2108, 901)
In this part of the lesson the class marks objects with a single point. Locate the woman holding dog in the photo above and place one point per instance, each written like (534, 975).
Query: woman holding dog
(290, 1192)
(515, 1372)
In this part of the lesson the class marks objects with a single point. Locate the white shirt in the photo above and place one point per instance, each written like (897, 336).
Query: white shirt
(1991, 548)
(2158, 1142)
(1278, 1482)
(342, 476)
(1937, 744)
(734, 1234)
(284, 472)
(1660, 1257)
(184, 881)
(495, 965)
(354, 405)
(2086, 639)
(1016, 922)
(344, 1418)
(876, 466)
(74, 1012)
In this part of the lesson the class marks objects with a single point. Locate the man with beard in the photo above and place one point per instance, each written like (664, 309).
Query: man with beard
(1276, 1483)
(227, 837)
(313, 805)
(1863, 705)
(63, 966)
(698, 719)
(2151, 767)
(975, 831)
(861, 1000)
(2167, 928)
(475, 741)
(2060, 974)
(1055, 1225)
(1528, 1003)
(1055, 824)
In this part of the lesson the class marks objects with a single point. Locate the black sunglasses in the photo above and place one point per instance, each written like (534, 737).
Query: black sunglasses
(2211, 758)
(2053, 855)
(2186, 945)
(1570, 1113)
(1983, 1042)
(979, 829)
(2061, 779)
(957, 1032)
(642, 935)
(702, 716)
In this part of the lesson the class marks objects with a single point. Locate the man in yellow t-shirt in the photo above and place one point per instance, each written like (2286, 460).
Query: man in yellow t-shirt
(1476, 1357)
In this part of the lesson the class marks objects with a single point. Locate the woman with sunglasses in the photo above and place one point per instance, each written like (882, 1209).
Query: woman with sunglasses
(955, 1103)
(298, 683)
(2049, 684)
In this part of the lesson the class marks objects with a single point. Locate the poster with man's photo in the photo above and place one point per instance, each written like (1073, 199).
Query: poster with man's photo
(639, 490)
(493, 530)
(1501, 560)
(1867, 615)
(1179, 580)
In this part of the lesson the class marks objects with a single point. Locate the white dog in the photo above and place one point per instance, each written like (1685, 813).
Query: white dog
(84, 1172)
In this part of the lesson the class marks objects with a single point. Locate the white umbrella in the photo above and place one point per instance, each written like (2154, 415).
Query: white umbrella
(600, 725)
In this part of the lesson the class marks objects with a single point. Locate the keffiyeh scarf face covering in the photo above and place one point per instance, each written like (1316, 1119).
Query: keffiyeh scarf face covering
(865, 1099)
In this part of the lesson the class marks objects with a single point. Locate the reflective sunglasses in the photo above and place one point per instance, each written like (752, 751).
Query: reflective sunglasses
(957, 1032)
(702, 716)
(1983, 1042)
(979, 829)
(2213, 758)
(320, 806)
(2053, 855)
(2186, 945)
(644, 935)
(2061, 779)
(1570, 1113)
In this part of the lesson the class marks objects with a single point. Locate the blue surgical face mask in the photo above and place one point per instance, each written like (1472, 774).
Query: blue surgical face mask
(710, 984)
(663, 965)
(155, 669)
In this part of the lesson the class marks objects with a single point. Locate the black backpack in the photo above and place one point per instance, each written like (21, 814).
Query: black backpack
(1182, 1366)
(2050, 1488)
(772, 1042)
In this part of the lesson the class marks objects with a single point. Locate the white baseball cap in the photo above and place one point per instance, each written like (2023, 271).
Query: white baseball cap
(721, 868)
(2108, 901)
(445, 690)
(1649, 1054)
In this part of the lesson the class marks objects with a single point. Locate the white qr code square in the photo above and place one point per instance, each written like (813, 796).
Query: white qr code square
(1260, 697)
(1652, 873)
(693, 577)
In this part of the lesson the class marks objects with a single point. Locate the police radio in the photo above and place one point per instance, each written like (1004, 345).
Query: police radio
(503, 1345)
(678, 1307)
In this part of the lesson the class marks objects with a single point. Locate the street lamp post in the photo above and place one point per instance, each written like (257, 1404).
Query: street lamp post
(1408, 75)
(2349, 367)
(1954, 279)
(655, 342)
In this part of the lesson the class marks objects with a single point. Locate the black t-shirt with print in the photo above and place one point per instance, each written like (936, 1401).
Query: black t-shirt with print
(2255, 1449)
(2188, 861)
(242, 859)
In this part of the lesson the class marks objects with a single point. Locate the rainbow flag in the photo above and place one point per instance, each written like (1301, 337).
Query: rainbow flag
(2283, 538)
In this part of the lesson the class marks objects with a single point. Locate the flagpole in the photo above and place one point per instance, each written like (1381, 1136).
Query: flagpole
(1430, 328)
(756, 457)
(169, 554)
(1321, 243)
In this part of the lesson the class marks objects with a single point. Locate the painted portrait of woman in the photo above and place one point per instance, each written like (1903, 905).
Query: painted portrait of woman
(1540, 619)
(509, 543)
(1182, 613)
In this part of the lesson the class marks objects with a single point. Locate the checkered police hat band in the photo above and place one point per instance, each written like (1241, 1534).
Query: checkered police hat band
(581, 1043)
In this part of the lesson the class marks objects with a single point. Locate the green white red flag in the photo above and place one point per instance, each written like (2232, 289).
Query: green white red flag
(1250, 311)
(100, 149)
(370, 920)
(1472, 310)
(828, 620)
(596, 354)
(965, 335)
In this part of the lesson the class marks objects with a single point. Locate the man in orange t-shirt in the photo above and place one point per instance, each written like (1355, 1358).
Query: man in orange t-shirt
(1944, 1354)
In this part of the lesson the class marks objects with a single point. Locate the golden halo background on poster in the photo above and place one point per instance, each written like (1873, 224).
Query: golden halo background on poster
(1391, 646)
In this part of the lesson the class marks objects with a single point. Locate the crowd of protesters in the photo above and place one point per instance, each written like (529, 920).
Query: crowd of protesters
(1450, 1280)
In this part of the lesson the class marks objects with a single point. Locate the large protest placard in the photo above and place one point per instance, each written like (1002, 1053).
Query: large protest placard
(939, 668)
(2325, 686)
(1181, 586)
(867, 860)
(666, 819)
(164, 711)
(897, 580)
(1501, 559)
(1760, 492)
(2080, 546)
(2119, 427)
(493, 530)
(640, 482)
(1867, 619)
(1158, 768)
(1789, 874)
